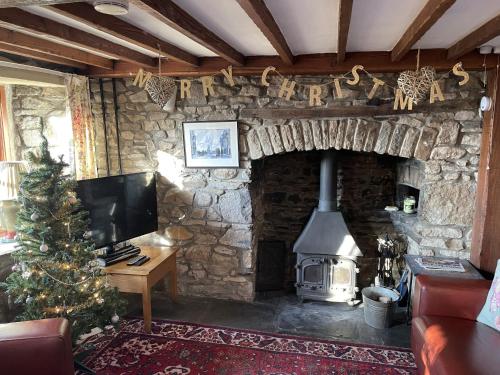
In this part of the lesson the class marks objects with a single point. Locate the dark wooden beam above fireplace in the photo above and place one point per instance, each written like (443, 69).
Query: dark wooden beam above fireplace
(317, 64)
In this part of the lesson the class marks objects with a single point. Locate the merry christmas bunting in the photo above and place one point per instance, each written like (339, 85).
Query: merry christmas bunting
(413, 85)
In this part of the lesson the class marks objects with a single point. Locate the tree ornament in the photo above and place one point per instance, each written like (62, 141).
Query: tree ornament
(100, 301)
(34, 216)
(26, 275)
(115, 318)
(44, 248)
(16, 267)
(87, 234)
(29, 299)
(72, 200)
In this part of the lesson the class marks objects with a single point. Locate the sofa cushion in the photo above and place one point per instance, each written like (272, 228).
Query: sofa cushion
(444, 345)
(490, 314)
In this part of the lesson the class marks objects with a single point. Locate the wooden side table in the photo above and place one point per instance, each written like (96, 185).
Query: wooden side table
(140, 279)
(414, 269)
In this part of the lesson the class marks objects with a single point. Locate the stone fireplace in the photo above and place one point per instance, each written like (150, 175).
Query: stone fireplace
(285, 191)
(221, 218)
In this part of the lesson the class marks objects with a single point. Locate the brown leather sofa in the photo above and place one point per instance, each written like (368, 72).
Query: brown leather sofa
(41, 347)
(446, 338)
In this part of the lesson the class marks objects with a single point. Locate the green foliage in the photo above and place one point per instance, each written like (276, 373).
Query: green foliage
(56, 273)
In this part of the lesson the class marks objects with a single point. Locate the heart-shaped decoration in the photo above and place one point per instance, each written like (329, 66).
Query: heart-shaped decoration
(161, 89)
(416, 84)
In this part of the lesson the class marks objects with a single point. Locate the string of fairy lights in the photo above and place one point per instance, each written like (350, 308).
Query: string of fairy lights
(41, 267)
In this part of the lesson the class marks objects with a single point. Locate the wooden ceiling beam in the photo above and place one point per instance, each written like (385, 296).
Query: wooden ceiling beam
(481, 35)
(25, 41)
(262, 17)
(21, 51)
(175, 17)
(345, 11)
(13, 18)
(317, 64)
(85, 13)
(428, 16)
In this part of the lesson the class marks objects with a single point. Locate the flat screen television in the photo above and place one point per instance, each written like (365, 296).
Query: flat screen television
(120, 207)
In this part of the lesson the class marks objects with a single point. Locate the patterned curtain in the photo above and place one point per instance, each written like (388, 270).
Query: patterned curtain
(78, 91)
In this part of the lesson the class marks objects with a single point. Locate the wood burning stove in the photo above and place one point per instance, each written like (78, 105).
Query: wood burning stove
(326, 251)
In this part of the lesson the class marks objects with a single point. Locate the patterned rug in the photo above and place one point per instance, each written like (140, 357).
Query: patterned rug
(185, 348)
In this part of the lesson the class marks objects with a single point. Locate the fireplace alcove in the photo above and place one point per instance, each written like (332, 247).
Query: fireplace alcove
(285, 190)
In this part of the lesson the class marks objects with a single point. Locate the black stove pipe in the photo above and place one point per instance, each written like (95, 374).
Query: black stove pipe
(328, 182)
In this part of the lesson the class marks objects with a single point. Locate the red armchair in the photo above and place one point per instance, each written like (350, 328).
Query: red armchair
(446, 338)
(41, 347)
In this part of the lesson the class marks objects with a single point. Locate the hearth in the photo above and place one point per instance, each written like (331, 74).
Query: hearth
(326, 251)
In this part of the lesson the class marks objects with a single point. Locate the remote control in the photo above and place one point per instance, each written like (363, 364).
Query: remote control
(140, 262)
(134, 260)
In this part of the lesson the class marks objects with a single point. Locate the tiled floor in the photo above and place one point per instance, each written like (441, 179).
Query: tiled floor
(281, 314)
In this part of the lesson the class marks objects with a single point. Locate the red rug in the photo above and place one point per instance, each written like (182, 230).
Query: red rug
(185, 348)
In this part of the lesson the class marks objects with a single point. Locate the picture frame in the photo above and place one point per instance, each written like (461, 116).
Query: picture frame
(211, 144)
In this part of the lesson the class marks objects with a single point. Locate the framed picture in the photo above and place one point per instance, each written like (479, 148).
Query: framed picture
(211, 144)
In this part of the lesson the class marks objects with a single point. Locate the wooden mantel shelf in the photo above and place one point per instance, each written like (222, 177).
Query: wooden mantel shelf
(385, 110)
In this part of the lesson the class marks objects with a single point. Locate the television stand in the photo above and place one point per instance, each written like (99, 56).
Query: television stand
(142, 278)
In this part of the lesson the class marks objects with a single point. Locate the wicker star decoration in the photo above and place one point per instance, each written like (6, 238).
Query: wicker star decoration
(416, 83)
(161, 89)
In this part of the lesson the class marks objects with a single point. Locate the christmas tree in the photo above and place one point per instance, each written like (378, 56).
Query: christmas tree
(55, 272)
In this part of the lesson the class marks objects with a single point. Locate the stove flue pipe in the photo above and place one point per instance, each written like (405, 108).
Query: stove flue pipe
(328, 182)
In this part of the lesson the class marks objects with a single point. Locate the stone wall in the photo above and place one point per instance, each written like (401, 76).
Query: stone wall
(34, 105)
(209, 211)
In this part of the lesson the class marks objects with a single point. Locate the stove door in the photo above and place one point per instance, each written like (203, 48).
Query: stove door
(311, 274)
(342, 279)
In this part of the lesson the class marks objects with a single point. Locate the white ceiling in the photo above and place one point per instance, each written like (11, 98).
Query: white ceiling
(378, 25)
(230, 22)
(462, 18)
(308, 26)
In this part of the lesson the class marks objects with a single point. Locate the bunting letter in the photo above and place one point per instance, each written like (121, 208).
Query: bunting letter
(288, 88)
(338, 89)
(435, 92)
(207, 84)
(314, 95)
(141, 79)
(376, 84)
(459, 71)
(355, 75)
(266, 71)
(401, 102)
(228, 74)
(185, 88)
